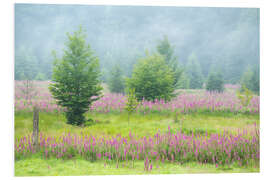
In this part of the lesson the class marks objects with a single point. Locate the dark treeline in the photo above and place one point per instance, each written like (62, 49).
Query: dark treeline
(223, 39)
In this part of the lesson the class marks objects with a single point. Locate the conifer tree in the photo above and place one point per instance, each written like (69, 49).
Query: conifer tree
(75, 78)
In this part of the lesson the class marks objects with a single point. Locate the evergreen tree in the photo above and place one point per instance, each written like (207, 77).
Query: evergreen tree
(255, 79)
(25, 64)
(194, 72)
(215, 82)
(116, 81)
(251, 80)
(75, 78)
(132, 102)
(166, 50)
(152, 79)
(246, 79)
(184, 81)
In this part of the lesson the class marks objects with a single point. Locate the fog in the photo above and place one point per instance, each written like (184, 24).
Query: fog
(223, 38)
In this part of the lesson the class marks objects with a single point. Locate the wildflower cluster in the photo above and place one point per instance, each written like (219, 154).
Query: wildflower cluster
(184, 103)
(227, 148)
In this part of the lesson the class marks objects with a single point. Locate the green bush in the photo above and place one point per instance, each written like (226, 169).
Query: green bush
(132, 103)
(215, 82)
(89, 122)
(152, 79)
(75, 78)
(251, 80)
(244, 97)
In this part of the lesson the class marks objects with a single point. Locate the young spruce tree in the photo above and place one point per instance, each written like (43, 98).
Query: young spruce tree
(75, 78)
(215, 82)
(165, 49)
(132, 102)
(194, 72)
(116, 81)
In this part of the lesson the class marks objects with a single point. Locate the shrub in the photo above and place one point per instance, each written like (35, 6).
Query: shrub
(132, 103)
(251, 80)
(215, 83)
(245, 97)
(152, 79)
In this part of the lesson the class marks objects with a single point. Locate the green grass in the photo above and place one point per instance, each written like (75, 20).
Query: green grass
(36, 166)
(53, 124)
(116, 123)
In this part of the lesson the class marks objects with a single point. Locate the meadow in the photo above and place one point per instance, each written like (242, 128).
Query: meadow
(196, 132)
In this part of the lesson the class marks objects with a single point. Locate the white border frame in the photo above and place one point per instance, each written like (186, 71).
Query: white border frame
(7, 79)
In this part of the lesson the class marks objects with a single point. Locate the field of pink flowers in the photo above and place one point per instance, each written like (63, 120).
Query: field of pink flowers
(239, 148)
(184, 102)
(221, 149)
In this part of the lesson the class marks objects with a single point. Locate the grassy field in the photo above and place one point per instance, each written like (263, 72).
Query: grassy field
(116, 123)
(77, 167)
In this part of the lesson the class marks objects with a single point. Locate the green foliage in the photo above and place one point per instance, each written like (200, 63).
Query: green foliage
(166, 50)
(246, 79)
(215, 82)
(245, 97)
(54, 123)
(75, 78)
(132, 102)
(194, 72)
(89, 122)
(25, 64)
(255, 79)
(251, 80)
(40, 77)
(184, 81)
(81, 167)
(116, 81)
(152, 79)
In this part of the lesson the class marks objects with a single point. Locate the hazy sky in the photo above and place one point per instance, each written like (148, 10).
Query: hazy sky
(119, 34)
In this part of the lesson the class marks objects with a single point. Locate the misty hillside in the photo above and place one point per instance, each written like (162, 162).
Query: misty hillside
(221, 38)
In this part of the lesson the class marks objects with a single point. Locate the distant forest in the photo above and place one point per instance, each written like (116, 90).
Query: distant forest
(224, 39)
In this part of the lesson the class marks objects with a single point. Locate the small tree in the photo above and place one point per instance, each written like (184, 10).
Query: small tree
(152, 79)
(116, 81)
(255, 79)
(244, 97)
(132, 103)
(251, 80)
(246, 79)
(166, 50)
(215, 82)
(194, 72)
(75, 78)
(184, 81)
